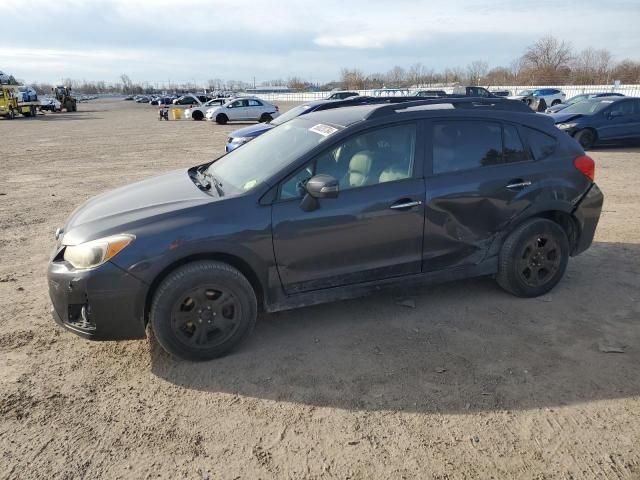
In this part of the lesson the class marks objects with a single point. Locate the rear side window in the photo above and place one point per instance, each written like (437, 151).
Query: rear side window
(541, 144)
(464, 145)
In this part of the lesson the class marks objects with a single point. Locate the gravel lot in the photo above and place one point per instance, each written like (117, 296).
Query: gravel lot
(471, 383)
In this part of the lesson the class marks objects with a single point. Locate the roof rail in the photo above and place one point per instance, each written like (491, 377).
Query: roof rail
(457, 102)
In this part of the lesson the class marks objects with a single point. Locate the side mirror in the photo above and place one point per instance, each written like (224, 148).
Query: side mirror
(320, 186)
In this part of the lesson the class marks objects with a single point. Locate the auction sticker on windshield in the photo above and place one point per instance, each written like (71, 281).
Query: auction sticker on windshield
(324, 130)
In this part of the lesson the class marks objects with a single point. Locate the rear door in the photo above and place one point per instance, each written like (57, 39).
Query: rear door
(254, 110)
(482, 174)
(373, 230)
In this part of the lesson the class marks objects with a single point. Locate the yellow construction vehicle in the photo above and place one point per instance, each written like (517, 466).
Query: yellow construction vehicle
(63, 95)
(10, 106)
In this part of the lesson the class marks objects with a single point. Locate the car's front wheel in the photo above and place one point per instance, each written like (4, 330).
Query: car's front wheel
(202, 310)
(533, 258)
(555, 102)
(586, 138)
(222, 119)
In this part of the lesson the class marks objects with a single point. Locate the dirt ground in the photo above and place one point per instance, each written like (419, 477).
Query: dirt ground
(471, 383)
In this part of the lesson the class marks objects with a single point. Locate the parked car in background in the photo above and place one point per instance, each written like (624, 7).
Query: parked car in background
(190, 99)
(540, 98)
(331, 205)
(579, 98)
(162, 100)
(49, 104)
(601, 120)
(197, 112)
(428, 93)
(245, 108)
(342, 95)
(500, 93)
(472, 91)
(142, 99)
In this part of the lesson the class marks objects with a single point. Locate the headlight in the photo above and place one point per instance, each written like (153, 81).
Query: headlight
(95, 253)
(566, 126)
(240, 139)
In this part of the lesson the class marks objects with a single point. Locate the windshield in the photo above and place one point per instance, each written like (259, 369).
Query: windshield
(525, 92)
(587, 107)
(245, 168)
(576, 99)
(288, 115)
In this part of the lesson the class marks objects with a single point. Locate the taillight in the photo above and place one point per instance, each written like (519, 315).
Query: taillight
(586, 165)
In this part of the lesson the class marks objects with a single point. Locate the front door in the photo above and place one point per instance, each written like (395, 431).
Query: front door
(372, 230)
(621, 120)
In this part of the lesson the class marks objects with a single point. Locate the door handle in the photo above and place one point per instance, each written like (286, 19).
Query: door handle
(518, 184)
(408, 204)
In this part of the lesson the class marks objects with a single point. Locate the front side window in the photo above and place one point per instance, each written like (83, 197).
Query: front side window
(377, 156)
(622, 108)
(464, 145)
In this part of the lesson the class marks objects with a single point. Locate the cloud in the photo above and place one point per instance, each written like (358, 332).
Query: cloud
(156, 40)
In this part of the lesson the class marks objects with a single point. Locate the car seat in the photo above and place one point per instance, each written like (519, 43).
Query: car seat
(359, 172)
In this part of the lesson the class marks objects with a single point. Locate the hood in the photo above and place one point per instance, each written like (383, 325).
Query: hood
(517, 97)
(557, 108)
(252, 130)
(115, 211)
(565, 117)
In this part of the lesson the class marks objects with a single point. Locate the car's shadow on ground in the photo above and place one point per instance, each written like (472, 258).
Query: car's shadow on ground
(465, 346)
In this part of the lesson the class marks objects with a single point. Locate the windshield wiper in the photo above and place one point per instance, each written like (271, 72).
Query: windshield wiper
(213, 180)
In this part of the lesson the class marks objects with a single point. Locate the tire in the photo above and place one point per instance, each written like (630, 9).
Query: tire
(222, 119)
(197, 115)
(533, 258)
(586, 138)
(555, 102)
(203, 310)
(265, 117)
(11, 115)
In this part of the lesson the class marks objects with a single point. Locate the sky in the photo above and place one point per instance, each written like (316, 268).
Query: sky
(196, 40)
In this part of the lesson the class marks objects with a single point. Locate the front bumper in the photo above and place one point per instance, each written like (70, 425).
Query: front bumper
(587, 214)
(105, 303)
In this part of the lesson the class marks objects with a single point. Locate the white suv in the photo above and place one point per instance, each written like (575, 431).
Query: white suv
(245, 108)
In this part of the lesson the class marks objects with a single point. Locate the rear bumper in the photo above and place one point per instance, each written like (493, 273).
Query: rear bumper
(105, 303)
(587, 214)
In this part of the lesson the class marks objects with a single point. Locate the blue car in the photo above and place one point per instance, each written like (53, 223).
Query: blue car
(580, 98)
(244, 135)
(601, 120)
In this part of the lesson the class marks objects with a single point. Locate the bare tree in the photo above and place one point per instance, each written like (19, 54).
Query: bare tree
(592, 66)
(476, 71)
(548, 60)
(396, 77)
(352, 79)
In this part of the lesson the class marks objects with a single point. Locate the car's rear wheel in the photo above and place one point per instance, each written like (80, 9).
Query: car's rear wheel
(197, 115)
(586, 138)
(203, 310)
(265, 117)
(222, 119)
(555, 102)
(533, 258)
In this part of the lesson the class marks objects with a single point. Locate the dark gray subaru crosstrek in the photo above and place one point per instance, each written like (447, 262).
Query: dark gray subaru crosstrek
(330, 205)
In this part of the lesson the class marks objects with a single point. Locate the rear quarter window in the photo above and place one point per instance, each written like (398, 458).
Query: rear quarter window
(541, 144)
